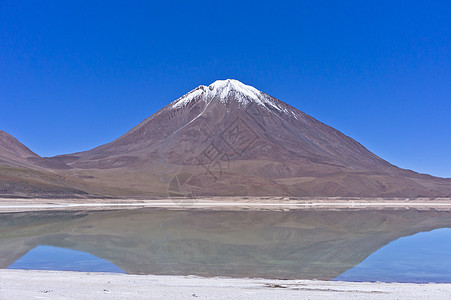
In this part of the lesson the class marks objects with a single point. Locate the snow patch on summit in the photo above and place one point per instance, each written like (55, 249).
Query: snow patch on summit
(225, 90)
(187, 98)
(244, 93)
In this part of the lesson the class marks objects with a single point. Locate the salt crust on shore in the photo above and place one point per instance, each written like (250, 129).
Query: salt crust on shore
(22, 284)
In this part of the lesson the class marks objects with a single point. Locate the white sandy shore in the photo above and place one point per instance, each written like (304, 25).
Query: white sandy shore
(21, 284)
(223, 203)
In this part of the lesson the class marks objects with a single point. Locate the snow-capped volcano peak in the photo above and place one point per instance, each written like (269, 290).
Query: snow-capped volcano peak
(224, 87)
(225, 91)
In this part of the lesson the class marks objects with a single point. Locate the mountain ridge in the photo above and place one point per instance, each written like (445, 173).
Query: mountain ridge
(11, 148)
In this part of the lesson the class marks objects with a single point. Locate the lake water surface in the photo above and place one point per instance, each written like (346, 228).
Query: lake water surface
(367, 245)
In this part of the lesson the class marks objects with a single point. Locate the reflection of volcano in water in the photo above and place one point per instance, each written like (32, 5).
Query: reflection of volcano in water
(297, 244)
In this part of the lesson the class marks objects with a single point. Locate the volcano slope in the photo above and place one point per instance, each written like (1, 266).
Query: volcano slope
(230, 139)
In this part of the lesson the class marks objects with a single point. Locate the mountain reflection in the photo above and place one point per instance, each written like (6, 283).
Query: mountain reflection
(269, 244)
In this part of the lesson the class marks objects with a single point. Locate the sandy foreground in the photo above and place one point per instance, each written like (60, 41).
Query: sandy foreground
(21, 284)
(224, 203)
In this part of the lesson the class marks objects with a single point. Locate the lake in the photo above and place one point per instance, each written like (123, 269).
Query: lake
(354, 245)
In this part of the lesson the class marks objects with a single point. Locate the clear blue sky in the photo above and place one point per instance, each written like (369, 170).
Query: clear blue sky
(76, 75)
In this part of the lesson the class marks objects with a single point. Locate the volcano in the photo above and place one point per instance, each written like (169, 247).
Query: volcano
(230, 139)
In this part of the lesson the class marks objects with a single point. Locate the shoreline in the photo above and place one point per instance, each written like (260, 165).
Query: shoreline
(28, 284)
(223, 203)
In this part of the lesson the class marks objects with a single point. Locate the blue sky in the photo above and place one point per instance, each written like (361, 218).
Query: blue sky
(74, 75)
